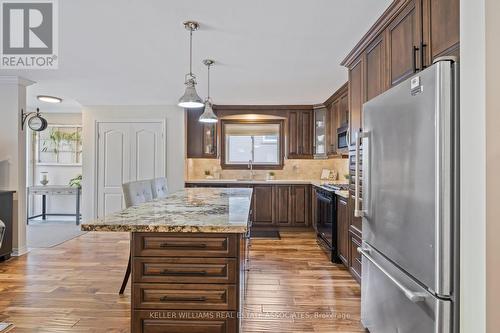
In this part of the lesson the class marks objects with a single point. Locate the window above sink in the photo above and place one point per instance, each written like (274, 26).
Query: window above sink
(259, 142)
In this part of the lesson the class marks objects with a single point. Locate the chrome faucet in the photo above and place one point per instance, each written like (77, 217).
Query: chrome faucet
(250, 166)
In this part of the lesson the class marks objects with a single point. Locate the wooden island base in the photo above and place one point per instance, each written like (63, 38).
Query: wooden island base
(187, 282)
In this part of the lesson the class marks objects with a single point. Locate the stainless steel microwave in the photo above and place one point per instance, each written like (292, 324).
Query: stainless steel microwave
(343, 139)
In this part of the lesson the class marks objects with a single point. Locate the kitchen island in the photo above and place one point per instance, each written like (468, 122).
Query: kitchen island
(188, 259)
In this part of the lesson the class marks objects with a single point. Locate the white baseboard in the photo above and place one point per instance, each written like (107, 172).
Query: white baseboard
(19, 252)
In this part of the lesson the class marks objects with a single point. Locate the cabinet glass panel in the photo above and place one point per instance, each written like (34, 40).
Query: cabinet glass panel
(209, 144)
(320, 132)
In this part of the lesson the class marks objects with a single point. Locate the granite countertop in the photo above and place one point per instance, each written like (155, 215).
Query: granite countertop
(211, 210)
(247, 181)
(314, 182)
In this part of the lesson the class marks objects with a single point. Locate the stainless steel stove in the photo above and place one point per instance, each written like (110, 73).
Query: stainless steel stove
(335, 187)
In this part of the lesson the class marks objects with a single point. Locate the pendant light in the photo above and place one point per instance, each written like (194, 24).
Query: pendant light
(190, 99)
(208, 115)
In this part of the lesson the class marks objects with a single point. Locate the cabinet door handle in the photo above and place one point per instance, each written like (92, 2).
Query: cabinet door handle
(182, 299)
(188, 273)
(422, 55)
(415, 50)
(169, 245)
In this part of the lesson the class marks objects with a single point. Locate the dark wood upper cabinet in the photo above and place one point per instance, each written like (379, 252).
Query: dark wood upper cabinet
(343, 117)
(337, 115)
(343, 230)
(263, 204)
(201, 139)
(307, 125)
(293, 134)
(442, 23)
(375, 77)
(403, 43)
(356, 98)
(282, 204)
(332, 121)
(406, 38)
(300, 134)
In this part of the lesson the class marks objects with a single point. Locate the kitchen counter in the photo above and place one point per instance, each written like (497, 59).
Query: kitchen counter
(210, 210)
(314, 182)
(247, 181)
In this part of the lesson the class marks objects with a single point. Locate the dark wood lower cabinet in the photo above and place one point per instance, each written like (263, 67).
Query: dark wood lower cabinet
(187, 293)
(282, 205)
(283, 214)
(6, 215)
(355, 257)
(263, 205)
(301, 205)
(285, 205)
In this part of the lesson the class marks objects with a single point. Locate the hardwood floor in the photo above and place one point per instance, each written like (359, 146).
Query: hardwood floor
(292, 287)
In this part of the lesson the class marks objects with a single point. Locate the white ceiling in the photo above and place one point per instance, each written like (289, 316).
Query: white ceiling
(118, 52)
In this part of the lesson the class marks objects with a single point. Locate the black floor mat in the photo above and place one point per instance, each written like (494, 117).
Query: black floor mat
(272, 234)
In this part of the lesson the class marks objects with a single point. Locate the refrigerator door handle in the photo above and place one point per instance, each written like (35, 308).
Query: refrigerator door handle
(411, 295)
(358, 212)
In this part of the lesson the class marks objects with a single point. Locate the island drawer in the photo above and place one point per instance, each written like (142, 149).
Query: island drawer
(185, 270)
(184, 321)
(184, 245)
(185, 296)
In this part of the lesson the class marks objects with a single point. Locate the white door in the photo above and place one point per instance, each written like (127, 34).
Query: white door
(126, 152)
(147, 151)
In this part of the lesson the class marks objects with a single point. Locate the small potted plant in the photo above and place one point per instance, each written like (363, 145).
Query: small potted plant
(208, 175)
(270, 175)
(76, 182)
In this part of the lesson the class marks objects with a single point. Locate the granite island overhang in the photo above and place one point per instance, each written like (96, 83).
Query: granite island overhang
(189, 254)
(189, 210)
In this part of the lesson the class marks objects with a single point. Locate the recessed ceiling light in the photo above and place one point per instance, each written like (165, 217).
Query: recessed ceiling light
(49, 99)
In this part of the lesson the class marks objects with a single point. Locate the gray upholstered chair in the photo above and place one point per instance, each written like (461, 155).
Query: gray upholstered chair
(159, 187)
(135, 193)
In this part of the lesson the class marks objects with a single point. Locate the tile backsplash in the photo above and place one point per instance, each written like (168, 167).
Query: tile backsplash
(292, 170)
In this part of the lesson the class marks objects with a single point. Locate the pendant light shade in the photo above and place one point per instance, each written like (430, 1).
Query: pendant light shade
(190, 99)
(208, 116)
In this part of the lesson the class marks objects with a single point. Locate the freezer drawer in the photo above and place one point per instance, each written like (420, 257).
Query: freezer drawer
(394, 303)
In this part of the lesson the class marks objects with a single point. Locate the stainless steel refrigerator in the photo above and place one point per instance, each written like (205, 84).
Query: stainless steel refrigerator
(410, 206)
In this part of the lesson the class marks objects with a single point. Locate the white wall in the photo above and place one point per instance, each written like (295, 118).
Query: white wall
(492, 165)
(473, 165)
(175, 144)
(13, 152)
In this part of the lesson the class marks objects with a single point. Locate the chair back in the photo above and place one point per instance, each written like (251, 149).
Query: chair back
(159, 187)
(137, 192)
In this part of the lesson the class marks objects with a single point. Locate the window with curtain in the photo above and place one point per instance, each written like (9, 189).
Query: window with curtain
(258, 142)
